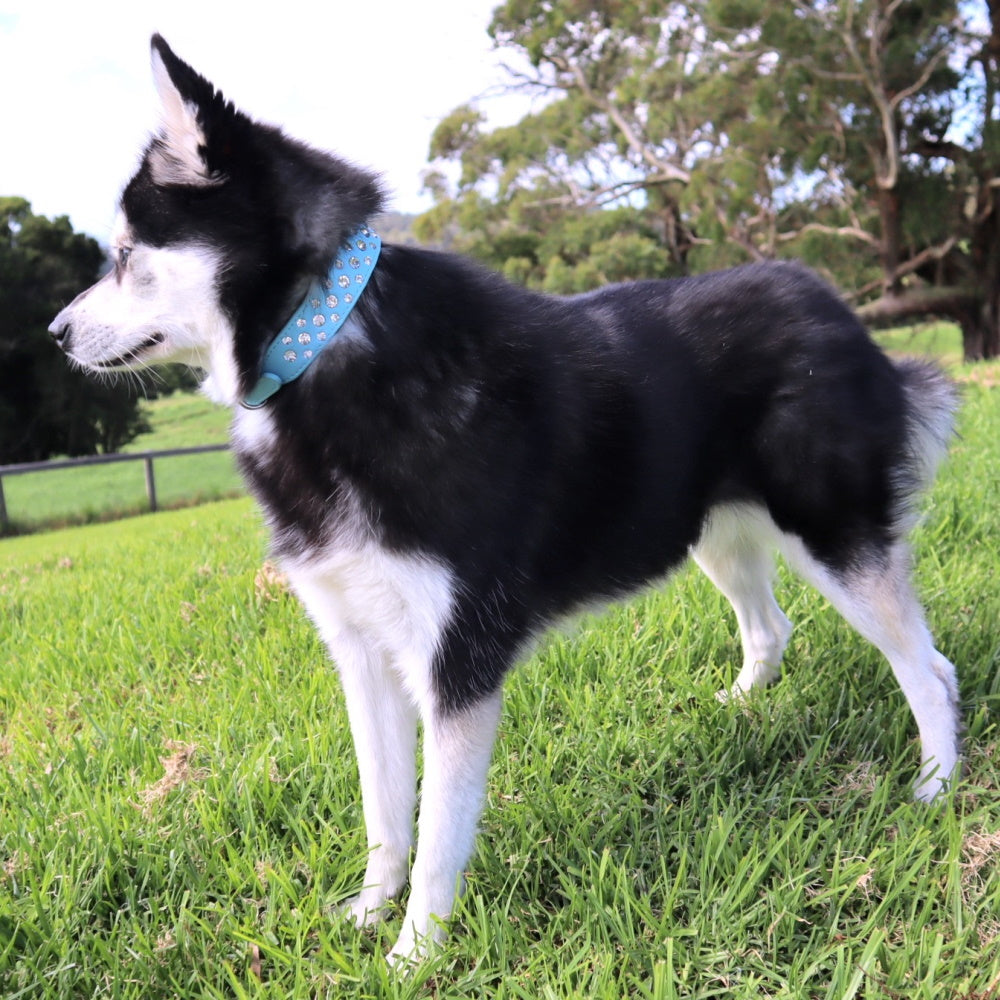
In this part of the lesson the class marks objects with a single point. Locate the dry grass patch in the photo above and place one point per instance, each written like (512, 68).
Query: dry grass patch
(177, 771)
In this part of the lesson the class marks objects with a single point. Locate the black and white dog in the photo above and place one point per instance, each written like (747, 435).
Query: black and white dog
(449, 463)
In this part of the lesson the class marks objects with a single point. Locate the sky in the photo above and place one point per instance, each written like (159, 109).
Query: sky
(368, 79)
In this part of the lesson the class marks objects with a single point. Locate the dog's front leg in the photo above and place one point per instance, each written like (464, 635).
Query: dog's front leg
(457, 749)
(384, 729)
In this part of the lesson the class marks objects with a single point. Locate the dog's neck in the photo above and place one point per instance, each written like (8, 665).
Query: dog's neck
(319, 318)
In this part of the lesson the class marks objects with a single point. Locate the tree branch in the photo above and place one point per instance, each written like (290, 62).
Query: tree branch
(641, 149)
(925, 257)
(917, 84)
(954, 302)
(818, 227)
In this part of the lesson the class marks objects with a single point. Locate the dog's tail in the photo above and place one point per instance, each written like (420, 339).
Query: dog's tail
(930, 401)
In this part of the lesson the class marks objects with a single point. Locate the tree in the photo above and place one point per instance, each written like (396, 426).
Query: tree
(618, 129)
(47, 408)
(717, 131)
(896, 133)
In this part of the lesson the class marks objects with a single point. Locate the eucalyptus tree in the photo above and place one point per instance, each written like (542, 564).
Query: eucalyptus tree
(859, 135)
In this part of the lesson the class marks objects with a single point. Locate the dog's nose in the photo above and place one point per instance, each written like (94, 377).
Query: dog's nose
(61, 331)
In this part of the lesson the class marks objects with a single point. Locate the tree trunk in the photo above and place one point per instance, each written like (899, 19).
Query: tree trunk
(976, 335)
(889, 216)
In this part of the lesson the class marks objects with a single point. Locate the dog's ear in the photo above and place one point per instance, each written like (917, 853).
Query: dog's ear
(183, 151)
(205, 142)
(322, 200)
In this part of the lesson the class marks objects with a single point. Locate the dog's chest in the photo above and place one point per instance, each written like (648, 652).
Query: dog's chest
(306, 507)
(350, 583)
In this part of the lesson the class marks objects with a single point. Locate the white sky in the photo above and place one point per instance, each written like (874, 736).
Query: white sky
(368, 79)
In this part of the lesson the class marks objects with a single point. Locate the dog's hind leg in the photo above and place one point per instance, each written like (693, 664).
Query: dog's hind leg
(874, 594)
(736, 552)
(457, 748)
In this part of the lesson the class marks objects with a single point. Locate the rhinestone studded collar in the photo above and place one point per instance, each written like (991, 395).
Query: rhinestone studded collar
(319, 318)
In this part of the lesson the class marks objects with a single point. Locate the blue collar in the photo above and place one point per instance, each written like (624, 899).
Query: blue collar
(319, 318)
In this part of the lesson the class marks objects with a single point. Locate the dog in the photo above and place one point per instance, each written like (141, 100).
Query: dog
(449, 463)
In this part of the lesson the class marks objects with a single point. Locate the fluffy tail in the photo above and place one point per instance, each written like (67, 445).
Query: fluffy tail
(931, 400)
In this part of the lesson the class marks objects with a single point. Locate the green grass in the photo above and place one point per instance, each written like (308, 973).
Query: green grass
(179, 809)
(941, 340)
(94, 493)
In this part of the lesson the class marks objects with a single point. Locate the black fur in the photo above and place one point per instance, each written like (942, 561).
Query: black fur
(550, 451)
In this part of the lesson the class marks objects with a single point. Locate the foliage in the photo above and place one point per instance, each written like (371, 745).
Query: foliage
(47, 408)
(858, 135)
(179, 813)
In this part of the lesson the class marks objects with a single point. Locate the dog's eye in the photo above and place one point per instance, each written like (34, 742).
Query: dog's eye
(123, 255)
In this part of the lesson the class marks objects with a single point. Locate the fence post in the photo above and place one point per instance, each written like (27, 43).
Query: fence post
(4, 523)
(150, 483)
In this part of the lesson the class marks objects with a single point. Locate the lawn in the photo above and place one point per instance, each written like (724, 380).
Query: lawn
(94, 493)
(179, 814)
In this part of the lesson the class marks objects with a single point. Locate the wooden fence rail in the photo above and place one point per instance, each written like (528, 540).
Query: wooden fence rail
(148, 457)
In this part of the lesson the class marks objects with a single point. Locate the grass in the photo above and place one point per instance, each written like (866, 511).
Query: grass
(179, 812)
(940, 340)
(95, 493)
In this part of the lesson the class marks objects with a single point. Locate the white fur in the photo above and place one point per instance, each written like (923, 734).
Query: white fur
(382, 616)
(177, 159)
(253, 432)
(736, 552)
(165, 292)
(879, 602)
(457, 750)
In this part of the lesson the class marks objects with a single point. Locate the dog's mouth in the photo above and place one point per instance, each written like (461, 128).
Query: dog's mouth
(133, 355)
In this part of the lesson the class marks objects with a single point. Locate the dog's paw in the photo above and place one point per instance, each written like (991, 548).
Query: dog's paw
(366, 909)
(756, 674)
(935, 784)
(412, 948)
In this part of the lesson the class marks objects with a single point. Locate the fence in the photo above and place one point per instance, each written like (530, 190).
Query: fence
(148, 457)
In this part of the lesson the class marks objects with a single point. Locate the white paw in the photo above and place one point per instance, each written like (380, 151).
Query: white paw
(412, 947)
(757, 674)
(366, 909)
(933, 783)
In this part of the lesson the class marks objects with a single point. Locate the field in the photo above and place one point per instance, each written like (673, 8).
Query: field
(94, 493)
(179, 814)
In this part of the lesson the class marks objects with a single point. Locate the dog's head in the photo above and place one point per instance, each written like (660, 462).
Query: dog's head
(217, 236)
